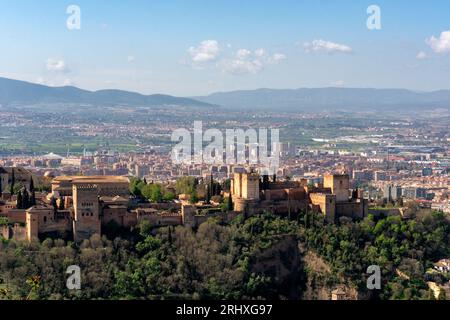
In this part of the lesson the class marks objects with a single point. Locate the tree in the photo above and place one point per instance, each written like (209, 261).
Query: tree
(31, 185)
(19, 200)
(25, 199)
(208, 194)
(153, 192)
(230, 203)
(4, 222)
(54, 204)
(156, 194)
(13, 181)
(227, 185)
(33, 198)
(186, 185)
(61, 203)
(168, 196)
(193, 197)
(136, 186)
(266, 182)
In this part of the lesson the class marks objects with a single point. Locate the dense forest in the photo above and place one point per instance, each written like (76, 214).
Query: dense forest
(256, 258)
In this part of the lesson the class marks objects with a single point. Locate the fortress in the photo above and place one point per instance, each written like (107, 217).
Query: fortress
(79, 207)
(253, 194)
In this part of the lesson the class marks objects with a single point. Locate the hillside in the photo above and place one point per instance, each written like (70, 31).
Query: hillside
(331, 99)
(14, 92)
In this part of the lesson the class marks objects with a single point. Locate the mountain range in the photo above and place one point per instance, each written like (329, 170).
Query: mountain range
(17, 93)
(331, 99)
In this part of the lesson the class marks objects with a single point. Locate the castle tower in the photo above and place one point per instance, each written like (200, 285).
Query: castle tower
(246, 186)
(339, 185)
(250, 186)
(86, 211)
(245, 191)
(32, 225)
(188, 213)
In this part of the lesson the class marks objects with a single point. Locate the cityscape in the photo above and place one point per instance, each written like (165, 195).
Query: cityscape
(354, 204)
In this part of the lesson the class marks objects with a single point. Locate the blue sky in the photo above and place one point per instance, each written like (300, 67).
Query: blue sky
(194, 47)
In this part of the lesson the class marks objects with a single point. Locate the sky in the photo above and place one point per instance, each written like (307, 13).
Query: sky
(197, 47)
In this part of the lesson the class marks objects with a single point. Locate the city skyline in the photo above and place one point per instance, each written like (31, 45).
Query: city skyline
(197, 48)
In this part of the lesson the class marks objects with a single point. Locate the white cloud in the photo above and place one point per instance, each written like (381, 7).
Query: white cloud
(245, 61)
(243, 54)
(260, 52)
(441, 44)
(421, 55)
(207, 51)
(277, 58)
(240, 67)
(326, 46)
(56, 65)
(241, 61)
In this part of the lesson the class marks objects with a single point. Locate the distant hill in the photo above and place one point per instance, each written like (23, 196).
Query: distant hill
(14, 92)
(18, 93)
(331, 99)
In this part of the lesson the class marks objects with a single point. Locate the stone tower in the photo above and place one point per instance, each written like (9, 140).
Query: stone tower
(339, 185)
(86, 211)
(188, 213)
(245, 191)
(32, 225)
(246, 186)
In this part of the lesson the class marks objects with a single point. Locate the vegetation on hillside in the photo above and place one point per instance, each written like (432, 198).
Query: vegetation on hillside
(257, 258)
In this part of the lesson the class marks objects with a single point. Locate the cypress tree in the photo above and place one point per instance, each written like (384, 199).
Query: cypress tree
(33, 199)
(219, 189)
(31, 185)
(19, 200)
(208, 194)
(211, 184)
(61, 204)
(54, 205)
(25, 199)
(266, 182)
(13, 181)
(230, 202)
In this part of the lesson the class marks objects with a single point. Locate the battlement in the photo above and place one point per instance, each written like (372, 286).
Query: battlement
(85, 187)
